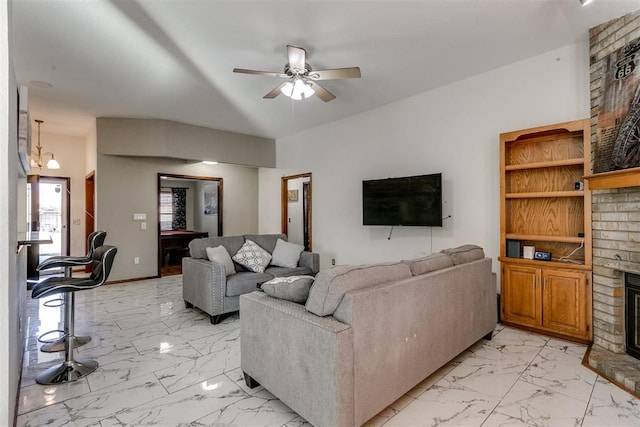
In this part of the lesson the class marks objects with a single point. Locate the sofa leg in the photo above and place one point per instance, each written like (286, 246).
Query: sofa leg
(251, 383)
(187, 304)
(488, 336)
(216, 319)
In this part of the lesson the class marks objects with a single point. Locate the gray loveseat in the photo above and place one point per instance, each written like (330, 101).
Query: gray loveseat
(206, 286)
(367, 334)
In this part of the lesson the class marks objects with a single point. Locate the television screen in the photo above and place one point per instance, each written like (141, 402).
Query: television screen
(409, 201)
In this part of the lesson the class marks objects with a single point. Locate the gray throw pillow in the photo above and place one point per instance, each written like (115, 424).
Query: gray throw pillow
(429, 263)
(292, 288)
(286, 254)
(252, 256)
(465, 253)
(220, 255)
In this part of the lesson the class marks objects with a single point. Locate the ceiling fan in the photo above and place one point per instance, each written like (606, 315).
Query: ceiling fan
(301, 78)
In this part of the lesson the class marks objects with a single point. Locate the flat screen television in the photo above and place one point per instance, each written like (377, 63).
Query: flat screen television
(408, 201)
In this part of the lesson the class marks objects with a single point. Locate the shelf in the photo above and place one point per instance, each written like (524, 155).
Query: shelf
(545, 264)
(542, 194)
(543, 238)
(549, 164)
(615, 179)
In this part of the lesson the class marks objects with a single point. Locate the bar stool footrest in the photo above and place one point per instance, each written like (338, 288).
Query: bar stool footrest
(58, 345)
(67, 371)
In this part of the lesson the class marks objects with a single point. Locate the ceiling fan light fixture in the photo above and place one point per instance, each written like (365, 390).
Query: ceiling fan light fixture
(297, 89)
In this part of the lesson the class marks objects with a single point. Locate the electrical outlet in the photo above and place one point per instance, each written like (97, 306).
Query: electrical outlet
(136, 260)
(76, 221)
(333, 261)
(143, 226)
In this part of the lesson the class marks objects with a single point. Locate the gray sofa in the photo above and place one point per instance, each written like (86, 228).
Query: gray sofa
(206, 286)
(367, 334)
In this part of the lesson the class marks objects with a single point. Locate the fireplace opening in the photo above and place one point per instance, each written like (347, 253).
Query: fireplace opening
(632, 314)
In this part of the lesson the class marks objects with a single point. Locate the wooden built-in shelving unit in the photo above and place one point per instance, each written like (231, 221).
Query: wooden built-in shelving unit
(541, 207)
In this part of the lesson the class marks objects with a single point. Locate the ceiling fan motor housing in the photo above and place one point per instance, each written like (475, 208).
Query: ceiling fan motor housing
(291, 72)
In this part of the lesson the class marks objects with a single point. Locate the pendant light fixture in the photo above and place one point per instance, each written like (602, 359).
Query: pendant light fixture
(38, 157)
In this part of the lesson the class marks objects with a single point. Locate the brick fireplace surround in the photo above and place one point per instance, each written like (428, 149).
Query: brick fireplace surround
(615, 226)
(616, 250)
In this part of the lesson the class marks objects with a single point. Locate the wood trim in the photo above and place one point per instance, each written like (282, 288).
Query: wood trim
(614, 179)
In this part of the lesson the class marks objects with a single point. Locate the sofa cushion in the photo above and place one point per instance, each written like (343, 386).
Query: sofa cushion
(245, 281)
(266, 241)
(220, 255)
(286, 254)
(286, 272)
(464, 253)
(198, 247)
(252, 256)
(331, 285)
(292, 288)
(429, 263)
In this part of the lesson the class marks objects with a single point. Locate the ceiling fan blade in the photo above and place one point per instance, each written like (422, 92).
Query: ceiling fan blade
(275, 92)
(321, 92)
(297, 58)
(262, 73)
(336, 73)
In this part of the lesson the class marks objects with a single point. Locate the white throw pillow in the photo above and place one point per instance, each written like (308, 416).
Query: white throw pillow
(220, 255)
(252, 256)
(286, 254)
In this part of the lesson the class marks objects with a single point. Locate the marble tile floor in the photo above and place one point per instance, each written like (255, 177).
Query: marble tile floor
(164, 365)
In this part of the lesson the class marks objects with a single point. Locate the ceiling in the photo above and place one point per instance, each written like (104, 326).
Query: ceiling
(173, 59)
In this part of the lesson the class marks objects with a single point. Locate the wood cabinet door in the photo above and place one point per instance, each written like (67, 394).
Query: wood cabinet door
(521, 296)
(564, 299)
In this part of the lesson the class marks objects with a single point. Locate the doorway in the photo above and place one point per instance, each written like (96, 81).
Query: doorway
(189, 207)
(48, 212)
(296, 202)
(89, 210)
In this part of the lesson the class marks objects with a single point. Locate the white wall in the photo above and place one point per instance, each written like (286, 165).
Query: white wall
(128, 185)
(12, 265)
(454, 130)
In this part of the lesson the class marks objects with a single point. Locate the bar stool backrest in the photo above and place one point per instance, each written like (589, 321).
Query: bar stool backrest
(94, 241)
(103, 258)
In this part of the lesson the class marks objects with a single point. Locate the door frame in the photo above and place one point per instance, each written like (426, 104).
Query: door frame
(33, 258)
(284, 204)
(190, 178)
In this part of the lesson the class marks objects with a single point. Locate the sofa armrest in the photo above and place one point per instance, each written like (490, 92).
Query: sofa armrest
(303, 359)
(310, 260)
(203, 284)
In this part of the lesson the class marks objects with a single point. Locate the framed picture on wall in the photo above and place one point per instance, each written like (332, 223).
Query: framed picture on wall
(292, 195)
(210, 199)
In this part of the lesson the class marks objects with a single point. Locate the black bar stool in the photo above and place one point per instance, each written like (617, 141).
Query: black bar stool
(73, 369)
(95, 240)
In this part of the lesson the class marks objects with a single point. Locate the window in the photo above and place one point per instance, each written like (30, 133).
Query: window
(166, 209)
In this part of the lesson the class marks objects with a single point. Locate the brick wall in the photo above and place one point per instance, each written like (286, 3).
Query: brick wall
(616, 213)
